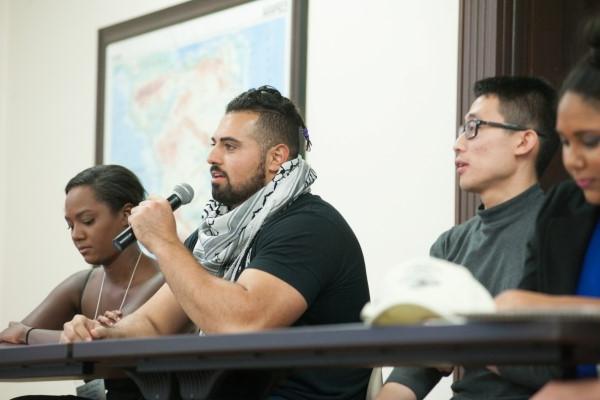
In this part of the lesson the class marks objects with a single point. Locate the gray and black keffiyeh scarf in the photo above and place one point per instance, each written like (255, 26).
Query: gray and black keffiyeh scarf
(225, 235)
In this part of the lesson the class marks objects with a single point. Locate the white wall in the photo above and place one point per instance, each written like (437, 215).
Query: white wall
(381, 101)
(381, 110)
(49, 137)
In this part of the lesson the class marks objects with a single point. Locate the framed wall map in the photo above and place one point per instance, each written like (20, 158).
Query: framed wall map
(165, 78)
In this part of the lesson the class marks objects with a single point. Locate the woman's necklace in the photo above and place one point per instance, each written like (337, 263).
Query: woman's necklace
(126, 290)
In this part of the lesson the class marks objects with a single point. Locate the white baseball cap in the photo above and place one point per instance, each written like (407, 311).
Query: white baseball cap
(427, 288)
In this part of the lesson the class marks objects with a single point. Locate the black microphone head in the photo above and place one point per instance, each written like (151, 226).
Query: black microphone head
(185, 192)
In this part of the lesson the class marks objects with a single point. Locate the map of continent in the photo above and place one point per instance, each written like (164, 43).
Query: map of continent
(163, 104)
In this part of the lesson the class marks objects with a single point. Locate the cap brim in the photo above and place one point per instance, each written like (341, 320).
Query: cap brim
(400, 314)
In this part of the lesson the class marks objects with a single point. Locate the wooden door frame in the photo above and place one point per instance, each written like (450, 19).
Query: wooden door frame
(486, 48)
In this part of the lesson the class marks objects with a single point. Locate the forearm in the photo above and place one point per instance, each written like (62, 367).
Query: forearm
(582, 301)
(43, 336)
(134, 325)
(522, 299)
(197, 292)
(21, 333)
(160, 315)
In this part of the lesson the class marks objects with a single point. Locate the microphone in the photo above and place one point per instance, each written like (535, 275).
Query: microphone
(182, 194)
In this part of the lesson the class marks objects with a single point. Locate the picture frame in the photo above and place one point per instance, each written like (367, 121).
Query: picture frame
(165, 78)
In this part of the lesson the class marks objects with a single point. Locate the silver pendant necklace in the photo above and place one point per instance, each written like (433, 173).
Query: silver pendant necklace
(126, 290)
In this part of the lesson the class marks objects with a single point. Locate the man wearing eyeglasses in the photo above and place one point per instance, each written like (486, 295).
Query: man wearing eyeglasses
(506, 142)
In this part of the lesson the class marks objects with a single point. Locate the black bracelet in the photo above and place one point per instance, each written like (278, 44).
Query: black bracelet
(27, 335)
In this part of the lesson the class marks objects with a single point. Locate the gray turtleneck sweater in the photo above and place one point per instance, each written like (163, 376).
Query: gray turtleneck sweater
(493, 246)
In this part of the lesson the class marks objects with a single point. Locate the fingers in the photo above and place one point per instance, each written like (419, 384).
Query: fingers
(105, 321)
(114, 314)
(15, 333)
(78, 330)
(152, 203)
(100, 332)
(153, 222)
(7, 336)
(110, 317)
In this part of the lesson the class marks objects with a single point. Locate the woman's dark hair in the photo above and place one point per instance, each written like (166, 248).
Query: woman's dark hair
(114, 185)
(584, 79)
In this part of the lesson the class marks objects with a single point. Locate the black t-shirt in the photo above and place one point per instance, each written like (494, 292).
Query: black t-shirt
(310, 246)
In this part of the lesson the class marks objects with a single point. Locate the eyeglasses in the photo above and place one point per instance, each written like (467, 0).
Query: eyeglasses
(471, 128)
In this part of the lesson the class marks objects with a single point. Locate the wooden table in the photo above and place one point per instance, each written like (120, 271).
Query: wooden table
(190, 362)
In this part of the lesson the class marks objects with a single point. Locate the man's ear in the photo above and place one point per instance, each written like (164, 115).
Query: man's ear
(276, 156)
(527, 143)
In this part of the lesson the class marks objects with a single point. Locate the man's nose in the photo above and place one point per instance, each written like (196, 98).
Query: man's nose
(213, 157)
(459, 143)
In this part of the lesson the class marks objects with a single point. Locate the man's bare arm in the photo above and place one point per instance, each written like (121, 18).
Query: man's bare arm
(161, 315)
(257, 300)
(521, 299)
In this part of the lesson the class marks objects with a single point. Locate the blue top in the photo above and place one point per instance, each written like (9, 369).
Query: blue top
(589, 285)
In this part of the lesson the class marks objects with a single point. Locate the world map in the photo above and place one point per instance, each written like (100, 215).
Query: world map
(164, 101)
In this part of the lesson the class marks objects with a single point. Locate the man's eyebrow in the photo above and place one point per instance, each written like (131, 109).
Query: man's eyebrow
(226, 139)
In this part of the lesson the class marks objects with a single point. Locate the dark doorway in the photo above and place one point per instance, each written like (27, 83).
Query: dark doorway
(518, 37)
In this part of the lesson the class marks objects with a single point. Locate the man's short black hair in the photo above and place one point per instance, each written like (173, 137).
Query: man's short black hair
(526, 101)
(279, 120)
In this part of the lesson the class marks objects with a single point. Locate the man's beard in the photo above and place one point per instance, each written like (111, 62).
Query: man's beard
(232, 197)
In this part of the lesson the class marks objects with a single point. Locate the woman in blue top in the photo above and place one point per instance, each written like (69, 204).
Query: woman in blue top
(564, 263)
